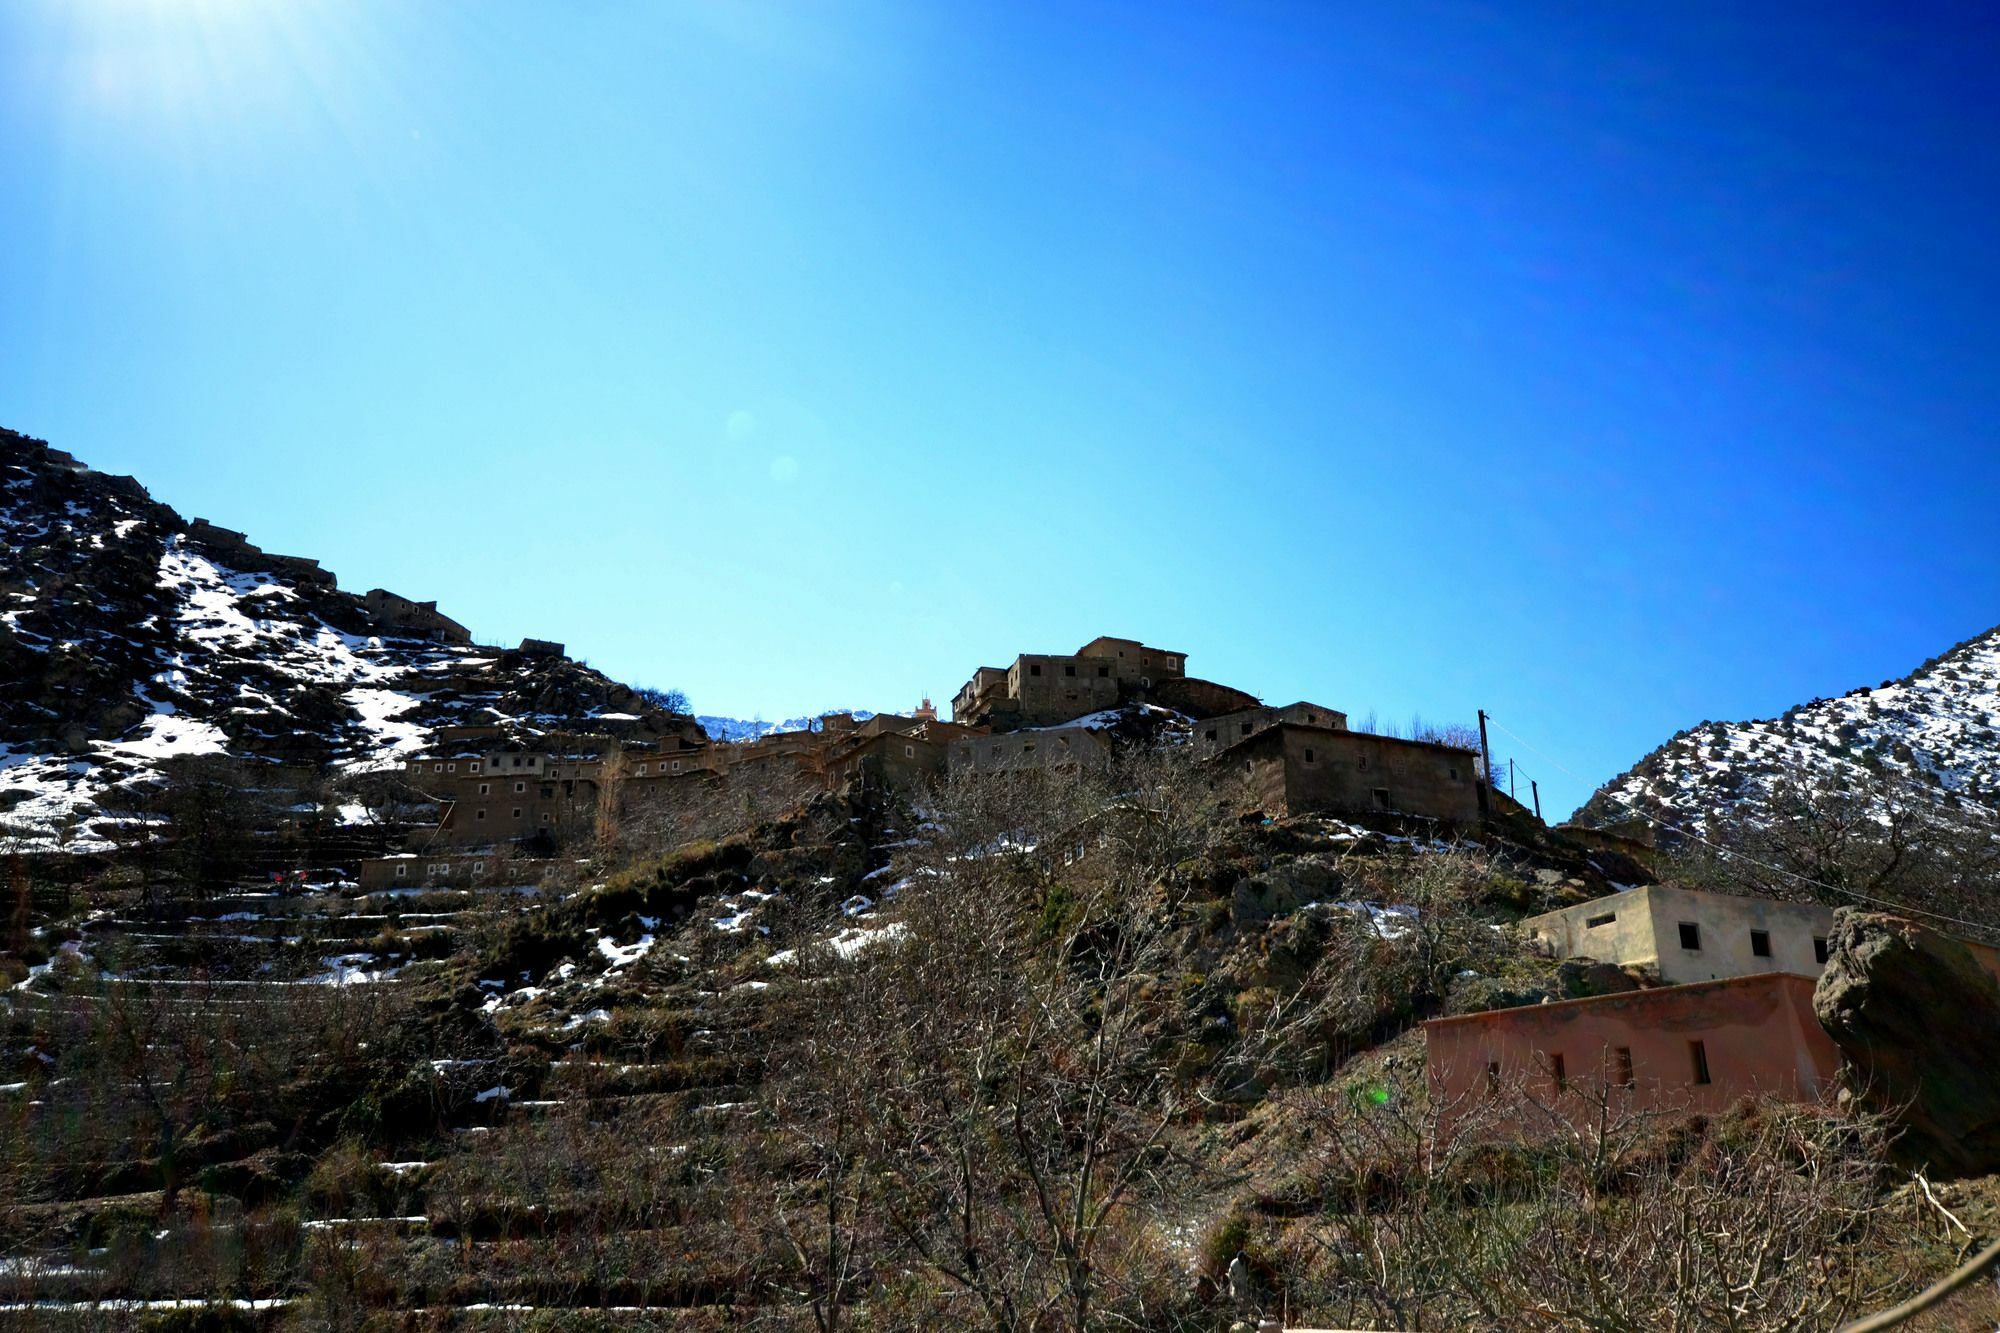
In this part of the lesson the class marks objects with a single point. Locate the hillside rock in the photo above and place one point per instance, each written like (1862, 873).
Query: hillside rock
(1917, 1016)
(129, 637)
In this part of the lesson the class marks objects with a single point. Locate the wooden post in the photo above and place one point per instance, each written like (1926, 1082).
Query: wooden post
(1535, 789)
(1486, 763)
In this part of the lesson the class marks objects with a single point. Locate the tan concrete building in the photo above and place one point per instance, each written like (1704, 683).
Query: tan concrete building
(1684, 935)
(1289, 768)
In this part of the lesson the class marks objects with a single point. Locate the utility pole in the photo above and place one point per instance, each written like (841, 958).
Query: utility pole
(1486, 763)
(1535, 789)
(1510, 776)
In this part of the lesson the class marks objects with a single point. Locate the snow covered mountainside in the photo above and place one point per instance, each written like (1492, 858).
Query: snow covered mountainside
(129, 636)
(1930, 740)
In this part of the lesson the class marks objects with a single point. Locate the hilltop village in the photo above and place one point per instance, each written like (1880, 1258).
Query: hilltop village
(1044, 712)
(1694, 999)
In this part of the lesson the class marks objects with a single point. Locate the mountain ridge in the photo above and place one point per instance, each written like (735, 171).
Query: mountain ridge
(1928, 739)
(132, 636)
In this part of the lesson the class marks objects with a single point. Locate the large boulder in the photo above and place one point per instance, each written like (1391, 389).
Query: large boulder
(1917, 1016)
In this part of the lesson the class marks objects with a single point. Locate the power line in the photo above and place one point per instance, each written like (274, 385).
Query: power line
(1730, 852)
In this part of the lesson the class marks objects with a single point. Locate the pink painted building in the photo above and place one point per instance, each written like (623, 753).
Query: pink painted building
(1696, 1047)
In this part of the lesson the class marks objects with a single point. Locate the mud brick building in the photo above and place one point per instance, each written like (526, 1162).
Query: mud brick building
(1043, 689)
(1697, 1047)
(1290, 768)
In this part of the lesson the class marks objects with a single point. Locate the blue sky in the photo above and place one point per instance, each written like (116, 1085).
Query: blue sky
(1612, 371)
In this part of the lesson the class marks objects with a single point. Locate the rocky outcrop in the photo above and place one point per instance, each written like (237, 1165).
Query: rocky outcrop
(1917, 1016)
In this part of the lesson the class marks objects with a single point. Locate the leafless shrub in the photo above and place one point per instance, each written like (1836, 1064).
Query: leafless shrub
(1517, 1212)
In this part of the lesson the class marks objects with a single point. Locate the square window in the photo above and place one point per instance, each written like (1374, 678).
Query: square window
(437, 768)
(485, 787)
(1690, 935)
(909, 752)
(1382, 798)
(472, 767)
(1592, 923)
(479, 814)
(1760, 943)
(1698, 1057)
(1819, 949)
(1104, 671)
(478, 867)
(1069, 669)
(1558, 1075)
(1035, 669)
(517, 812)
(402, 872)
(1211, 733)
(520, 786)
(1624, 1067)
(1309, 754)
(451, 768)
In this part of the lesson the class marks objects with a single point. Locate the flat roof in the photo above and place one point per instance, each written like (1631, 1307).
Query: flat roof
(1644, 994)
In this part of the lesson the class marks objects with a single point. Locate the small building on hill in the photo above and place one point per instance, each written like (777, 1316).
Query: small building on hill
(450, 870)
(1684, 935)
(1046, 689)
(894, 759)
(1044, 748)
(1216, 734)
(420, 619)
(1292, 768)
(1695, 1047)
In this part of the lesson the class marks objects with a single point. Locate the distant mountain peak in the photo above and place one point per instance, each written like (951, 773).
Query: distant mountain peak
(1931, 738)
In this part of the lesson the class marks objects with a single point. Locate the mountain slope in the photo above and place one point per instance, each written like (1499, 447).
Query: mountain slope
(129, 636)
(1930, 740)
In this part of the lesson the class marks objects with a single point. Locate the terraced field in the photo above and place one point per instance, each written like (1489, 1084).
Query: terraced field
(285, 1109)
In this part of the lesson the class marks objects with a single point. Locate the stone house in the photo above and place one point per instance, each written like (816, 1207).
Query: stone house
(1695, 1047)
(1684, 935)
(1133, 663)
(1021, 751)
(1218, 733)
(1290, 768)
(894, 759)
(449, 869)
(421, 619)
(1045, 689)
(498, 797)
